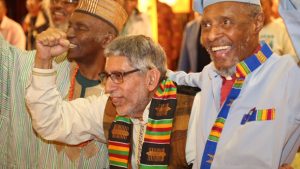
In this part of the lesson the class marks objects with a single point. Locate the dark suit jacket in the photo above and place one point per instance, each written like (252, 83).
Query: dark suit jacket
(193, 56)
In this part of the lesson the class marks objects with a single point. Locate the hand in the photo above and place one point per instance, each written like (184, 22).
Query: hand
(49, 44)
(286, 166)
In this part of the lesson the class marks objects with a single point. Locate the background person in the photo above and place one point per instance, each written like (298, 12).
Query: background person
(193, 56)
(138, 23)
(60, 13)
(274, 32)
(169, 33)
(289, 11)
(11, 30)
(35, 22)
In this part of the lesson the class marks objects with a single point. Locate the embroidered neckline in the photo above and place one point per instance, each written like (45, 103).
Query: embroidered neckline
(72, 85)
(84, 82)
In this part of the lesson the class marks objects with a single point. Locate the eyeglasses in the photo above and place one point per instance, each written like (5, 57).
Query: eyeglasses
(116, 77)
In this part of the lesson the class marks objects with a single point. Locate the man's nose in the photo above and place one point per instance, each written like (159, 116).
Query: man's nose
(214, 33)
(70, 32)
(110, 86)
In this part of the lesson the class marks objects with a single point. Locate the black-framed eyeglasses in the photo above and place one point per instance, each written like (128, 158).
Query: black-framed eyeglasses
(116, 77)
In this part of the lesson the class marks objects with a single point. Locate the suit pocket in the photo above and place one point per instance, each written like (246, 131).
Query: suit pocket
(259, 115)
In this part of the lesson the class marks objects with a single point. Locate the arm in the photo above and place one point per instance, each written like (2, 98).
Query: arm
(15, 67)
(188, 79)
(287, 44)
(290, 11)
(54, 119)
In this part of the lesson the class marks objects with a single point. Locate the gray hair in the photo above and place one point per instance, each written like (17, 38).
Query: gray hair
(142, 52)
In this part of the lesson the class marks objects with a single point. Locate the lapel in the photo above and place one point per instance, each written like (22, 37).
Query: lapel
(216, 81)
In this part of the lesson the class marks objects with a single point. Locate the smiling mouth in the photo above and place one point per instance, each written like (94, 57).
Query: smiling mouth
(58, 14)
(220, 48)
(220, 51)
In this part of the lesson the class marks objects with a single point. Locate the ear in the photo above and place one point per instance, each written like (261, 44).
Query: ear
(107, 39)
(152, 79)
(259, 22)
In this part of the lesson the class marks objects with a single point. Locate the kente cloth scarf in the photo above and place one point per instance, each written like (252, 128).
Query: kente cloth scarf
(243, 69)
(155, 150)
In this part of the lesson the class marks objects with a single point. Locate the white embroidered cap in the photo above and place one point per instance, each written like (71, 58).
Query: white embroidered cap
(110, 11)
(199, 5)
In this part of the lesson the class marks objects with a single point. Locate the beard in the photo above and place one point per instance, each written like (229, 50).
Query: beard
(227, 71)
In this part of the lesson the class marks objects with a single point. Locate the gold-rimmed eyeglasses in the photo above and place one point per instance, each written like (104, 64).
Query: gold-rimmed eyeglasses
(116, 77)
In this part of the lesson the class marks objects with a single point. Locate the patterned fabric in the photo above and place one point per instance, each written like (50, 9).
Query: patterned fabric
(259, 115)
(20, 147)
(242, 70)
(156, 146)
(34, 25)
(109, 10)
(119, 142)
(169, 33)
(201, 4)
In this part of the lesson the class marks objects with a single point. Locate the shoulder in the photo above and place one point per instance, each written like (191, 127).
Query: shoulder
(15, 25)
(279, 65)
(7, 22)
(286, 59)
(209, 68)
